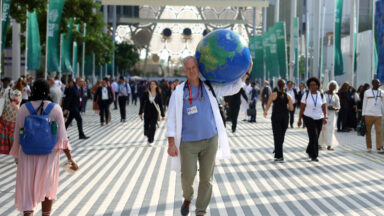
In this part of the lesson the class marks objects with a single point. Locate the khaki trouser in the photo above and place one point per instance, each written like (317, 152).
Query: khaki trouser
(203, 151)
(370, 121)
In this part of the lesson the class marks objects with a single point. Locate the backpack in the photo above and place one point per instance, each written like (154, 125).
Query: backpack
(39, 135)
(221, 107)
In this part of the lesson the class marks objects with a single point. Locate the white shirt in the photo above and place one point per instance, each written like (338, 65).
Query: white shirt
(104, 93)
(312, 111)
(332, 100)
(24, 95)
(292, 93)
(373, 102)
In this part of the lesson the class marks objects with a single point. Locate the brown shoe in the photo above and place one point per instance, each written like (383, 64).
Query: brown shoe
(329, 148)
(185, 208)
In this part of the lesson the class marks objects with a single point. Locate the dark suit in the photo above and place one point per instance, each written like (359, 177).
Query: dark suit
(72, 102)
(292, 113)
(150, 114)
(234, 106)
(104, 104)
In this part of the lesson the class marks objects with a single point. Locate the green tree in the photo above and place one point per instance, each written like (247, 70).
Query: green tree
(126, 56)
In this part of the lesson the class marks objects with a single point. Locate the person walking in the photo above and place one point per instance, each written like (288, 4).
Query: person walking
(314, 112)
(134, 92)
(152, 107)
(55, 92)
(265, 92)
(84, 97)
(372, 113)
(115, 89)
(234, 106)
(123, 97)
(293, 93)
(104, 97)
(72, 104)
(282, 105)
(13, 97)
(37, 176)
(345, 106)
(196, 133)
(252, 104)
(327, 136)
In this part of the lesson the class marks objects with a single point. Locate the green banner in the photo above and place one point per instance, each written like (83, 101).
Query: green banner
(53, 35)
(252, 50)
(259, 57)
(296, 46)
(66, 48)
(33, 42)
(88, 66)
(338, 57)
(267, 58)
(281, 48)
(75, 54)
(6, 5)
(274, 57)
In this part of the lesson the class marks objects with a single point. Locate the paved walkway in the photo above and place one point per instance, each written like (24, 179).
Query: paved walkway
(121, 175)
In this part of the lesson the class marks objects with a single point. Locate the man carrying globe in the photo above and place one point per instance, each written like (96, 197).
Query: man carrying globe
(196, 132)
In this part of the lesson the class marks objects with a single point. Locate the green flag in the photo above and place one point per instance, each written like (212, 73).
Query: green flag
(75, 54)
(338, 57)
(66, 48)
(6, 5)
(88, 66)
(296, 46)
(267, 54)
(259, 57)
(34, 47)
(53, 34)
(281, 48)
(274, 57)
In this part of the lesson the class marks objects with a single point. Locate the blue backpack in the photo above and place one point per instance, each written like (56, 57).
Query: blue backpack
(39, 135)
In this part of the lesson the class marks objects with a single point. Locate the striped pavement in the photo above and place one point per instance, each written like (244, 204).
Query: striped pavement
(120, 174)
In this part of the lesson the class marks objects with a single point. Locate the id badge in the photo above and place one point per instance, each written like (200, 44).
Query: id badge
(314, 108)
(192, 110)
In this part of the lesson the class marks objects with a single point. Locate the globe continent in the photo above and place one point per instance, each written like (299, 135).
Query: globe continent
(223, 56)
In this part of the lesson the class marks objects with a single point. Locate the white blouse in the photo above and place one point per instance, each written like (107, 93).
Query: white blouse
(314, 102)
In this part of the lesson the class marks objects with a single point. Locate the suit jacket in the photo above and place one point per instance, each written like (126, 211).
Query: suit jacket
(235, 100)
(148, 108)
(72, 98)
(98, 95)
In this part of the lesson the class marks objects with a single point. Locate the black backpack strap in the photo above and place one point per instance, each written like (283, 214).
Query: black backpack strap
(210, 88)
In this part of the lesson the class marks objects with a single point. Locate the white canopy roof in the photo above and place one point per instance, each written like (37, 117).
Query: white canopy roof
(199, 3)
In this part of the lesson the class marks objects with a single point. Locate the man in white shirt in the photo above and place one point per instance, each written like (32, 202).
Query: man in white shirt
(293, 93)
(372, 106)
(55, 92)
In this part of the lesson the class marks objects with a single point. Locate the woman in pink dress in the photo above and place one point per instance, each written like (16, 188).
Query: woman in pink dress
(37, 176)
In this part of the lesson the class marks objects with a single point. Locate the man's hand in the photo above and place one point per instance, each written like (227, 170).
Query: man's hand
(172, 149)
(65, 112)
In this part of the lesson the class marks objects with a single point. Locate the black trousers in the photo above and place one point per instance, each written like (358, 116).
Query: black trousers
(104, 111)
(122, 103)
(134, 99)
(234, 116)
(279, 127)
(313, 129)
(342, 119)
(127, 99)
(150, 128)
(75, 114)
(115, 101)
(292, 116)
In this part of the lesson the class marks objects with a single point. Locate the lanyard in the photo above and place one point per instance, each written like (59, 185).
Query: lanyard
(330, 98)
(314, 102)
(375, 96)
(190, 93)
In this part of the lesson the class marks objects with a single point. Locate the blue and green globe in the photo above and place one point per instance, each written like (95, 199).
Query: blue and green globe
(223, 56)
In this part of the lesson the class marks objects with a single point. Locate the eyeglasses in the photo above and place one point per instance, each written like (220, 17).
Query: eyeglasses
(313, 85)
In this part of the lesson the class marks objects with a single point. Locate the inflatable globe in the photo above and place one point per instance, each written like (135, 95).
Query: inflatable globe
(223, 56)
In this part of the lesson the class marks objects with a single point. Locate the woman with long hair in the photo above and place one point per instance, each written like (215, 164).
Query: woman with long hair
(95, 107)
(37, 177)
(327, 137)
(282, 104)
(104, 98)
(314, 112)
(13, 97)
(345, 104)
(152, 108)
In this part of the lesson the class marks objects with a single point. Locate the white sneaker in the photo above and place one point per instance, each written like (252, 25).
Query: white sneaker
(380, 151)
(369, 150)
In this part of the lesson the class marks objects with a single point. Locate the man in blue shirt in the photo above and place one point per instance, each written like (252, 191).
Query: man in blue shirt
(195, 129)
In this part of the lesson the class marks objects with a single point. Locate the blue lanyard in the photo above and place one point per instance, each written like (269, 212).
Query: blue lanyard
(314, 102)
(375, 96)
(330, 98)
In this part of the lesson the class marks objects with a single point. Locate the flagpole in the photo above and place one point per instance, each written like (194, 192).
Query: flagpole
(61, 55)
(373, 45)
(1, 35)
(46, 44)
(332, 74)
(26, 47)
(83, 53)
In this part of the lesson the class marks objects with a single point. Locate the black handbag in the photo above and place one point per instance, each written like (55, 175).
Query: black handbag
(251, 111)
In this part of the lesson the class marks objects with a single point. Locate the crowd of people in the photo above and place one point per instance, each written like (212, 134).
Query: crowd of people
(195, 121)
